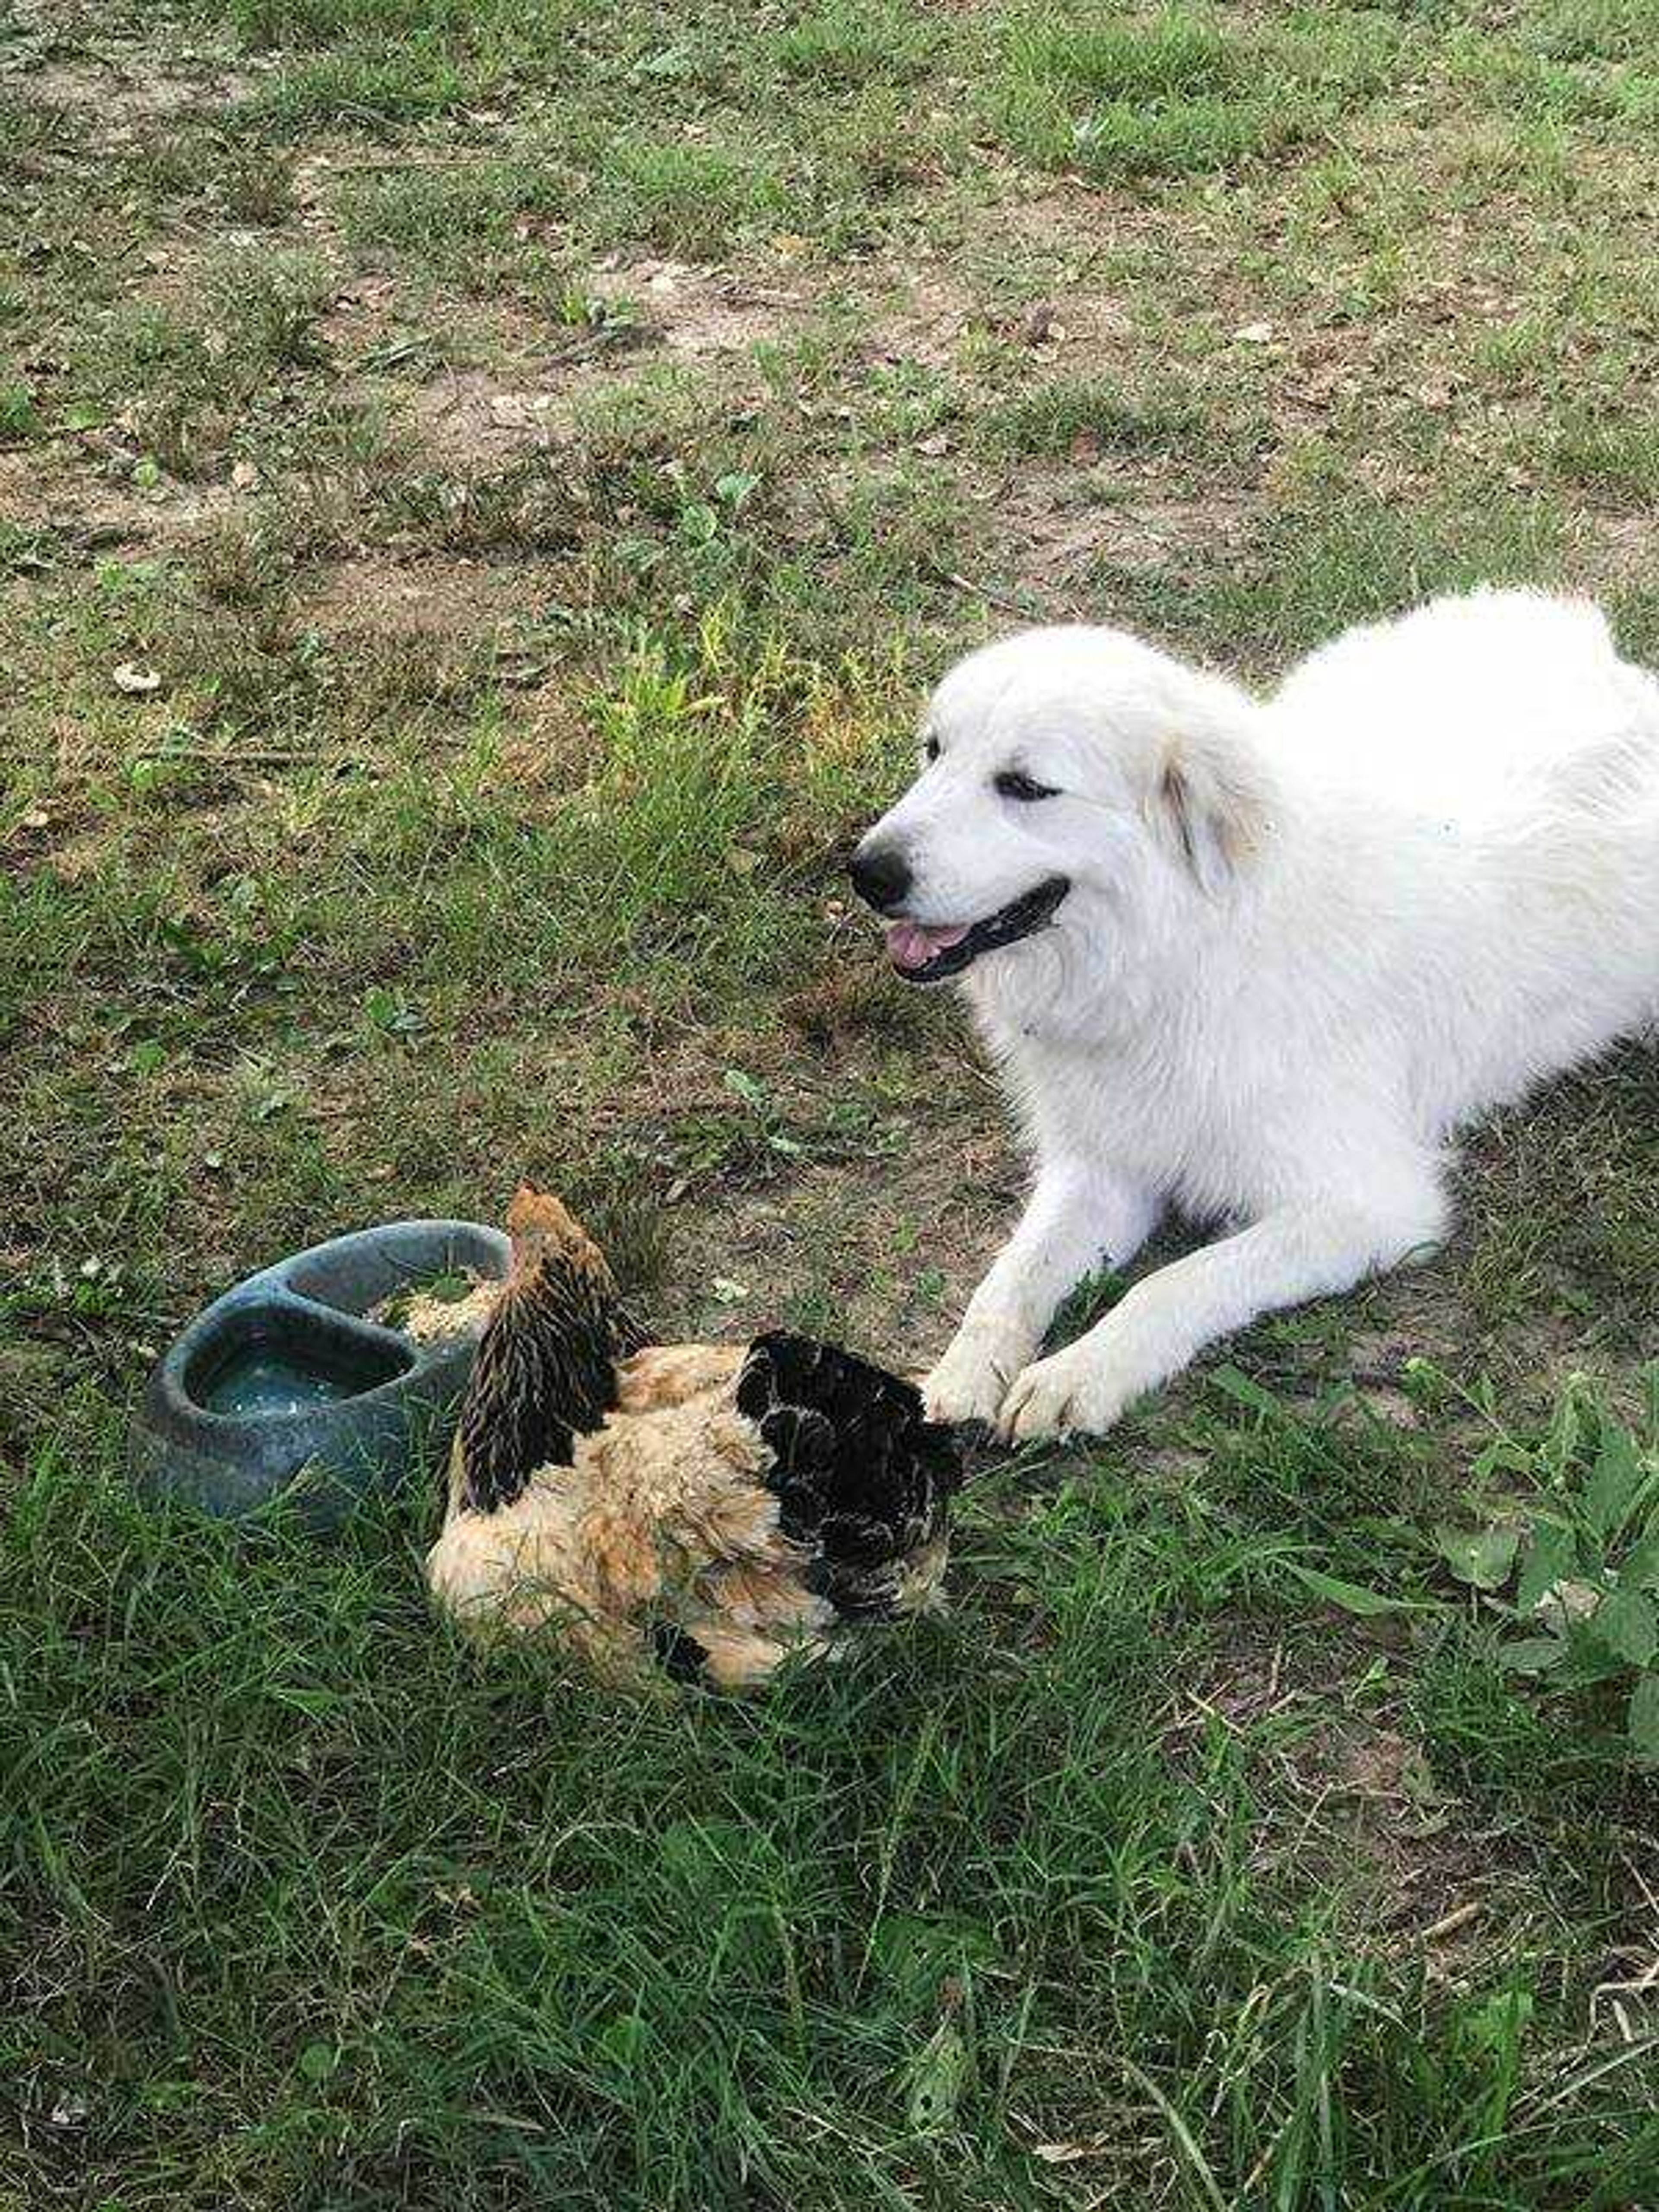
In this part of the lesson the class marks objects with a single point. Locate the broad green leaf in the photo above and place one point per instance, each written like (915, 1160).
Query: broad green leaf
(937, 2076)
(1552, 1556)
(391, 1011)
(1483, 1557)
(743, 1086)
(1533, 1655)
(1591, 1657)
(623, 2039)
(1239, 1387)
(919, 1954)
(1614, 1482)
(672, 61)
(1498, 2022)
(1628, 1624)
(315, 1703)
(1639, 1569)
(1502, 1457)
(1568, 1426)
(1644, 1716)
(717, 1857)
(1352, 1597)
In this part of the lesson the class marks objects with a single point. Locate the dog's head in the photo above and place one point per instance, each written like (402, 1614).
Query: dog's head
(1071, 780)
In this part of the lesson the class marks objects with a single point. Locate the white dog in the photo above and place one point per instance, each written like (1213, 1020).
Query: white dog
(1257, 960)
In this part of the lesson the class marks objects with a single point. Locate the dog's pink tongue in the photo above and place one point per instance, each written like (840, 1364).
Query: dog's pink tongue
(910, 945)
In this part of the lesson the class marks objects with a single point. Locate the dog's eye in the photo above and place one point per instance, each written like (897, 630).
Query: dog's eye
(1011, 784)
(930, 749)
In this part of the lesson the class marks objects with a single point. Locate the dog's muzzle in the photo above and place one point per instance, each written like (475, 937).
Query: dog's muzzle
(924, 955)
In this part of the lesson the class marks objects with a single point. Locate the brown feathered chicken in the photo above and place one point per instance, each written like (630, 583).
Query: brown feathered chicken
(701, 1510)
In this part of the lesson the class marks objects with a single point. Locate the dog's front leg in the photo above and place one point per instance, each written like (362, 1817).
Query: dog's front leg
(1307, 1250)
(1078, 1213)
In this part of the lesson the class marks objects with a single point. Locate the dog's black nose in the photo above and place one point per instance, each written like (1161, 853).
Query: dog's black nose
(881, 876)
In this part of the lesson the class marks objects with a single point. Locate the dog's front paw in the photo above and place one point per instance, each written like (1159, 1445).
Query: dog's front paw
(970, 1381)
(1071, 1391)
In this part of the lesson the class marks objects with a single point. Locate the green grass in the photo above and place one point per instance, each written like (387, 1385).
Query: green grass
(303, 23)
(944, 1904)
(484, 490)
(857, 40)
(1056, 419)
(1180, 92)
(1335, 556)
(20, 419)
(1610, 454)
(1596, 30)
(367, 88)
(424, 212)
(689, 198)
(183, 378)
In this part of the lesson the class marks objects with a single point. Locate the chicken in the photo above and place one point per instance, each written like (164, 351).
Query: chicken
(697, 1510)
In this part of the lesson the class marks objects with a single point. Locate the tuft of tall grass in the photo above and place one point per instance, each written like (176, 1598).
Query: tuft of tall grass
(1180, 92)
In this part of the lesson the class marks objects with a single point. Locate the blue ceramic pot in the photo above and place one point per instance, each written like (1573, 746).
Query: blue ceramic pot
(285, 1377)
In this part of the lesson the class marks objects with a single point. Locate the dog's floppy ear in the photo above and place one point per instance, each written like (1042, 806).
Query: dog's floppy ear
(1209, 807)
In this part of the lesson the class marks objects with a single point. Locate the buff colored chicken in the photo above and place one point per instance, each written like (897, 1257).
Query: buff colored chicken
(699, 1510)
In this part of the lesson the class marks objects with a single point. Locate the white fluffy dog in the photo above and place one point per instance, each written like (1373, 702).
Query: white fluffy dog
(1256, 960)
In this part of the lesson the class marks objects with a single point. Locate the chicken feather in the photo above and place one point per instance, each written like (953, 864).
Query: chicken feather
(698, 1510)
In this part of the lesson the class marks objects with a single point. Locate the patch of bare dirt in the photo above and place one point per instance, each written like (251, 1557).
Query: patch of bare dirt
(700, 312)
(1378, 1361)
(121, 93)
(471, 600)
(485, 416)
(358, 312)
(1354, 1791)
(522, 379)
(930, 309)
(1051, 530)
(471, 418)
(884, 1254)
(59, 488)
(1609, 550)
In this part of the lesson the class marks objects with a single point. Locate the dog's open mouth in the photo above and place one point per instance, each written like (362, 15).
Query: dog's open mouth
(924, 955)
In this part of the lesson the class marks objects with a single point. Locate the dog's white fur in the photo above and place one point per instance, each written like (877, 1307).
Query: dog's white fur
(1307, 938)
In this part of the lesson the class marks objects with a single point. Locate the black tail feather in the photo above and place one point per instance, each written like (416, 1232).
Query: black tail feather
(863, 1478)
